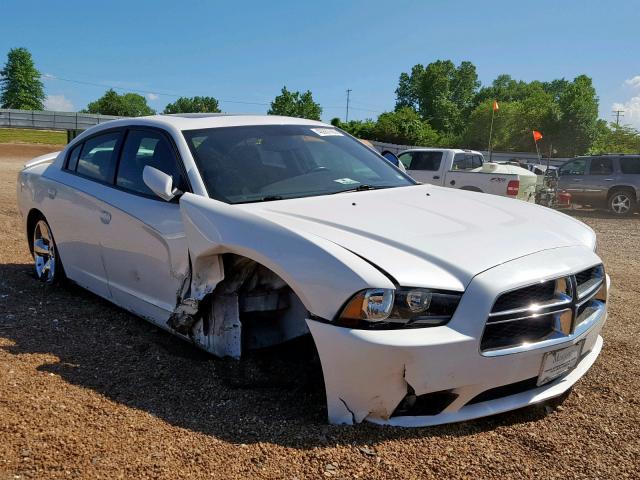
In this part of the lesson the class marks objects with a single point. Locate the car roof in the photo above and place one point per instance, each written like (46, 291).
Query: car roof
(433, 149)
(196, 121)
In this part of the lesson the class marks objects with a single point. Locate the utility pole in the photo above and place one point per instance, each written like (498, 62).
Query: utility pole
(347, 116)
(618, 114)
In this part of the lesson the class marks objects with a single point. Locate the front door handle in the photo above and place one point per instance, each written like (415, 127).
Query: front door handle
(608, 179)
(105, 217)
(577, 180)
(436, 177)
(452, 182)
(51, 193)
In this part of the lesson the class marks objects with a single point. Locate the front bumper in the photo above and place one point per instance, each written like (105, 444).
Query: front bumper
(368, 373)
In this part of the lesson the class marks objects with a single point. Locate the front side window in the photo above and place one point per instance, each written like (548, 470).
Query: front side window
(630, 165)
(576, 167)
(142, 148)
(98, 157)
(601, 166)
(272, 162)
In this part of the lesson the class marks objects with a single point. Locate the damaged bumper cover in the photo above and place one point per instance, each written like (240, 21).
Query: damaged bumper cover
(370, 374)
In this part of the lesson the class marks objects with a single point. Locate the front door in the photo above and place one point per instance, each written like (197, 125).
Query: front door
(145, 248)
(572, 179)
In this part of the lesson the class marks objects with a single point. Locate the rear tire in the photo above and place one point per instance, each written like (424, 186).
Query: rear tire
(622, 202)
(47, 265)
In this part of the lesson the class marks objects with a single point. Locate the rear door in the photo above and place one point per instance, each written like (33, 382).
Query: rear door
(425, 166)
(572, 178)
(77, 215)
(144, 244)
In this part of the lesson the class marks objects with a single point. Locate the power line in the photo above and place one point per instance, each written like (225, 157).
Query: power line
(138, 90)
(175, 95)
(618, 114)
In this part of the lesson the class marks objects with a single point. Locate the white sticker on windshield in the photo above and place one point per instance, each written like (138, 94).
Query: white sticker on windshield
(346, 181)
(327, 132)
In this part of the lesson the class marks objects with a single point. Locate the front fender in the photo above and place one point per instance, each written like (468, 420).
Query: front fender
(322, 274)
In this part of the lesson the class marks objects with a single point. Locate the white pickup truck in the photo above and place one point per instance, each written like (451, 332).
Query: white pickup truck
(467, 170)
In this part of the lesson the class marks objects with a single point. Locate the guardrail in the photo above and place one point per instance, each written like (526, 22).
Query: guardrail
(46, 120)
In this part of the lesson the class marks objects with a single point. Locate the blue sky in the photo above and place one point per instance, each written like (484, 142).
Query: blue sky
(245, 51)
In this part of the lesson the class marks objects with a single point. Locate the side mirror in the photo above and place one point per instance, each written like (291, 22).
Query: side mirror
(159, 183)
(391, 157)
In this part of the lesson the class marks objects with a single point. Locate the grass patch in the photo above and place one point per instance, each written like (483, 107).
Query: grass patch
(25, 135)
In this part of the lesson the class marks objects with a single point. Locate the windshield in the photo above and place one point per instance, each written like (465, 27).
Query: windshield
(273, 162)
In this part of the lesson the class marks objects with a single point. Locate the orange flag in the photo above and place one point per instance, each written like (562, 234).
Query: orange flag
(536, 135)
(495, 105)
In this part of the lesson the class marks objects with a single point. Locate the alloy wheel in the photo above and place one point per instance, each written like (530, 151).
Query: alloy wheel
(44, 252)
(621, 203)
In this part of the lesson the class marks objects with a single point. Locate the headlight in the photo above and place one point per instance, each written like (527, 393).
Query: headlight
(381, 308)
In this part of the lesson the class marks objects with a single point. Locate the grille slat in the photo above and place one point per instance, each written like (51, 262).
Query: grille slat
(536, 312)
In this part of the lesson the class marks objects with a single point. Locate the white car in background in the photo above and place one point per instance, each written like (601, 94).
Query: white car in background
(427, 305)
(467, 170)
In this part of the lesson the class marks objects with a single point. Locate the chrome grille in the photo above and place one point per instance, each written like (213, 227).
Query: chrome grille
(547, 309)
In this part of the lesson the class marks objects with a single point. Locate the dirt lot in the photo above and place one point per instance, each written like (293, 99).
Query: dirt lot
(89, 391)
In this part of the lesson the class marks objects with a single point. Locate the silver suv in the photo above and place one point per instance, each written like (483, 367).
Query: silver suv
(611, 181)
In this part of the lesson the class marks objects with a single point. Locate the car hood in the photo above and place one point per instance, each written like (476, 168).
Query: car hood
(428, 236)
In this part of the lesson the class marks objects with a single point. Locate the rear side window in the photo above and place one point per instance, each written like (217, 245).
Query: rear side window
(428, 161)
(98, 157)
(601, 166)
(630, 165)
(142, 148)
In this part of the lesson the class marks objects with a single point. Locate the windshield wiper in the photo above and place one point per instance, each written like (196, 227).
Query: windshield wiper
(364, 187)
(268, 198)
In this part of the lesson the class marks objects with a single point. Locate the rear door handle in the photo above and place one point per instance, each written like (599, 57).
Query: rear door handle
(436, 177)
(105, 217)
(608, 179)
(51, 193)
(452, 182)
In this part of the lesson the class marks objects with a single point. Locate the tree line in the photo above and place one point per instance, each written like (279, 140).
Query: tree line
(438, 104)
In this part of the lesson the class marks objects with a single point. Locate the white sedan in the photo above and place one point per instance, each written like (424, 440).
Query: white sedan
(427, 305)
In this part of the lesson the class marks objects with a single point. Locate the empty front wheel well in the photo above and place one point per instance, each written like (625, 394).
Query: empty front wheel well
(251, 307)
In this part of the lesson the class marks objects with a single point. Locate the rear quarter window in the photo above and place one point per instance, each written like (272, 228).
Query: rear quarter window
(72, 159)
(630, 166)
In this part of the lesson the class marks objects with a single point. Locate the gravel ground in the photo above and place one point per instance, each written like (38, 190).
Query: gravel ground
(89, 391)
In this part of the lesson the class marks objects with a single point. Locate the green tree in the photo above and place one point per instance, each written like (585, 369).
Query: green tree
(442, 93)
(578, 124)
(507, 127)
(364, 129)
(614, 138)
(503, 88)
(123, 105)
(193, 105)
(405, 127)
(295, 104)
(21, 86)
